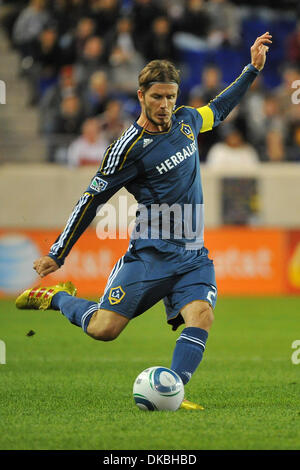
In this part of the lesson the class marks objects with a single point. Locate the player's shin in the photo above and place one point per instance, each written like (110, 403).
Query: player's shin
(188, 352)
(78, 311)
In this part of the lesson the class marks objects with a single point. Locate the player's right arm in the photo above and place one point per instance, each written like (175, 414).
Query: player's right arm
(117, 169)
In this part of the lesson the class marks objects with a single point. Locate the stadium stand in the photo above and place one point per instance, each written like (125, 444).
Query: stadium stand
(19, 137)
(65, 61)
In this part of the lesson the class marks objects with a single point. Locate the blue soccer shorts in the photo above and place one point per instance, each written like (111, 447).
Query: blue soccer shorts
(154, 270)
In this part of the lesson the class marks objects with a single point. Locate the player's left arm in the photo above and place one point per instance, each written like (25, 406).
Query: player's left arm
(219, 108)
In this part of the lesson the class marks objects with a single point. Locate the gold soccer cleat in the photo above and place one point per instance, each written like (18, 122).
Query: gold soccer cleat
(189, 405)
(39, 298)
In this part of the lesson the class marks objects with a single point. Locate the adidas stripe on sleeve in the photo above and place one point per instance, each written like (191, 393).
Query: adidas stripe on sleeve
(217, 110)
(224, 103)
(116, 171)
(117, 152)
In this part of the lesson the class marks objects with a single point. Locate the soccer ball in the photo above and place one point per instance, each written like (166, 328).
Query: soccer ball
(158, 389)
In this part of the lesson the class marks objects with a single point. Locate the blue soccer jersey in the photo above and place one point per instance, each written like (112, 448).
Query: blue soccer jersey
(162, 171)
(167, 184)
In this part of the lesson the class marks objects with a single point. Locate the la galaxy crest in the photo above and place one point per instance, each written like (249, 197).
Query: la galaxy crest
(187, 131)
(116, 294)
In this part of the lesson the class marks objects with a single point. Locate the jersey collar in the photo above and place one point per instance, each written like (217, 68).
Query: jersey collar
(158, 132)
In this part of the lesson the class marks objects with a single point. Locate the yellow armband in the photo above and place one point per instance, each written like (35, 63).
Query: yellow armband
(208, 118)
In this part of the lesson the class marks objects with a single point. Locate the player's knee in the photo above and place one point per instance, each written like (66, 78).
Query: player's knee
(106, 326)
(206, 315)
(210, 315)
(203, 317)
(104, 332)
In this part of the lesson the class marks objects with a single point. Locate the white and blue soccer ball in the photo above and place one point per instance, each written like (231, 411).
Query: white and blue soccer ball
(158, 389)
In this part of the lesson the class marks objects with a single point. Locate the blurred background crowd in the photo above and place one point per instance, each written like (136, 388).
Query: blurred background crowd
(81, 60)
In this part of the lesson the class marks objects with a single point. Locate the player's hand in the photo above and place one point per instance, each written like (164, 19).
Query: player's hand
(259, 50)
(45, 265)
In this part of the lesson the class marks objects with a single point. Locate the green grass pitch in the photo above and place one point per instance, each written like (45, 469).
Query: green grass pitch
(59, 389)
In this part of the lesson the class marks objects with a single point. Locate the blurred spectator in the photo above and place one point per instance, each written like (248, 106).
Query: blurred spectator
(50, 102)
(85, 28)
(59, 10)
(124, 59)
(107, 50)
(293, 153)
(233, 151)
(72, 43)
(272, 113)
(66, 124)
(124, 71)
(174, 8)
(196, 101)
(122, 35)
(236, 119)
(271, 120)
(211, 84)
(96, 95)
(252, 109)
(46, 63)
(290, 74)
(67, 13)
(78, 9)
(293, 115)
(29, 24)
(92, 59)
(89, 148)
(9, 13)
(159, 43)
(114, 120)
(70, 116)
(195, 19)
(225, 23)
(293, 46)
(274, 146)
(143, 13)
(105, 14)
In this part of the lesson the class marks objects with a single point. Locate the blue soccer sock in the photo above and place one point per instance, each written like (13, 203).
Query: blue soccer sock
(188, 352)
(78, 311)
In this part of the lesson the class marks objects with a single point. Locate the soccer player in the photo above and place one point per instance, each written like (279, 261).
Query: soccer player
(157, 160)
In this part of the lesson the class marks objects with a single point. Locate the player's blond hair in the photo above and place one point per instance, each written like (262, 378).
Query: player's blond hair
(158, 71)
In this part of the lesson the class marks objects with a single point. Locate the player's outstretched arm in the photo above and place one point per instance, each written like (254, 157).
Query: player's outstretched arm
(102, 187)
(224, 103)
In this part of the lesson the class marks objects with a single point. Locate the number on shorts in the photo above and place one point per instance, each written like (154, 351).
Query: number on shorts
(211, 293)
